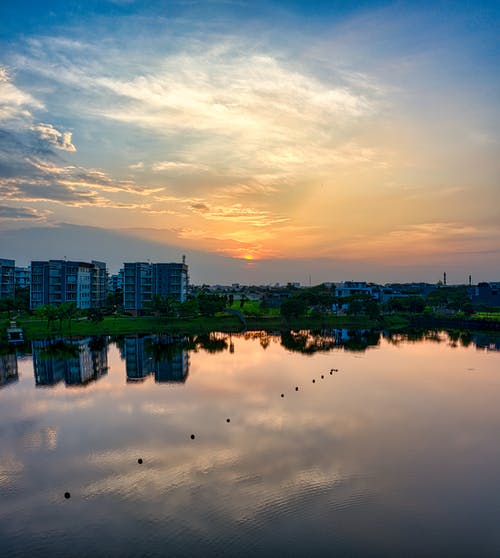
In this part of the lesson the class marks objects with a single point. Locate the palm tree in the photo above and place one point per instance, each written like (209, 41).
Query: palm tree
(67, 310)
(48, 312)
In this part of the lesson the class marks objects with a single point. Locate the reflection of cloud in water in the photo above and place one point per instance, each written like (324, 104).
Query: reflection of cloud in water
(376, 449)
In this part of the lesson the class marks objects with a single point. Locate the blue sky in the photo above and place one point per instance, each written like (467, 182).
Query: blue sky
(364, 134)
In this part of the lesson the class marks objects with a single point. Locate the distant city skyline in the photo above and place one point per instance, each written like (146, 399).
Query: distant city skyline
(267, 141)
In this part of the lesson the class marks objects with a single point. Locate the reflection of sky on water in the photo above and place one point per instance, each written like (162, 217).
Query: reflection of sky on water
(396, 451)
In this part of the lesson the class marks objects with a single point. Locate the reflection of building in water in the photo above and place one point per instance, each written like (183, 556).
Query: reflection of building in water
(173, 369)
(138, 364)
(487, 342)
(85, 365)
(8, 369)
(145, 356)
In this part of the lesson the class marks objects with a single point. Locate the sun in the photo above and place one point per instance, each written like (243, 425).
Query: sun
(248, 257)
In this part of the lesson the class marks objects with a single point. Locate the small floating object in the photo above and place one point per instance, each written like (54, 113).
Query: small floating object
(296, 388)
(331, 372)
(139, 461)
(228, 420)
(192, 436)
(67, 495)
(282, 395)
(322, 377)
(314, 381)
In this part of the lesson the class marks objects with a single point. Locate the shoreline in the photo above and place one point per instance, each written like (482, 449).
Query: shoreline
(128, 325)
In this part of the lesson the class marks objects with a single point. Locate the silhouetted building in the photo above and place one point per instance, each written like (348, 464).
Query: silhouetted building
(116, 281)
(137, 285)
(23, 277)
(485, 294)
(58, 281)
(142, 281)
(7, 278)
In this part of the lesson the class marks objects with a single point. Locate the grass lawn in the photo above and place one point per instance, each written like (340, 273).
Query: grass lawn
(491, 316)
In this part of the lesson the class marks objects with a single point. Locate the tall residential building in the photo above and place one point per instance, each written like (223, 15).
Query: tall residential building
(142, 281)
(99, 284)
(137, 285)
(7, 278)
(170, 279)
(57, 281)
(115, 281)
(23, 277)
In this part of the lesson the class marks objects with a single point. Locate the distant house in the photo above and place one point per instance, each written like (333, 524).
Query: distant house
(350, 288)
(7, 278)
(485, 294)
(55, 282)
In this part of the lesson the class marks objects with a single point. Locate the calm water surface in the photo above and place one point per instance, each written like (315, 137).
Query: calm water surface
(395, 454)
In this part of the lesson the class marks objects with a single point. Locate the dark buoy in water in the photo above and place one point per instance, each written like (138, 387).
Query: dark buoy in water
(139, 461)
(192, 436)
(331, 372)
(67, 495)
(228, 420)
(282, 395)
(314, 381)
(296, 388)
(322, 377)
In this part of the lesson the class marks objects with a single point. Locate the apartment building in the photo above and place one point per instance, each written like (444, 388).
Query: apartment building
(142, 281)
(7, 278)
(57, 281)
(23, 277)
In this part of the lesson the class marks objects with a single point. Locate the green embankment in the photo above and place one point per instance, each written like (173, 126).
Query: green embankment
(270, 320)
(35, 328)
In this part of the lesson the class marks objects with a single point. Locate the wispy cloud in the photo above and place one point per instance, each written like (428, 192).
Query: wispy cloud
(15, 104)
(8, 213)
(177, 166)
(239, 214)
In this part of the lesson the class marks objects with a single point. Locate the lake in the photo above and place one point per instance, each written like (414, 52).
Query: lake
(305, 444)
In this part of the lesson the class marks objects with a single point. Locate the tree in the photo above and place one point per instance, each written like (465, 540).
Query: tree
(114, 300)
(22, 298)
(189, 308)
(166, 306)
(48, 312)
(209, 304)
(293, 307)
(7, 305)
(95, 315)
(67, 311)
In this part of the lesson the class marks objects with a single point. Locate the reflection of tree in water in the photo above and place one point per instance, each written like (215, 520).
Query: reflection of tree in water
(60, 349)
(307, 342)
(310, 342)
(454, 337)
(264, 337)
(98, 343)
(161, 351)
(360, 340)
(211, 342)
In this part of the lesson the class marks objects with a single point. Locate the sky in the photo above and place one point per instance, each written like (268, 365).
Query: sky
(267, 141)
